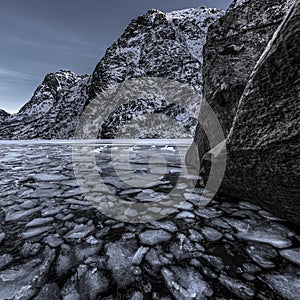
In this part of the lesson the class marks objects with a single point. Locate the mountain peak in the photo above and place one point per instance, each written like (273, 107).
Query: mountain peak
(61, 77)
(157, 44)
(3, 114)
(53, 87)
(153, 11)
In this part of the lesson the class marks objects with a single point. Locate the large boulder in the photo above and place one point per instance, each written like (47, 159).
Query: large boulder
(263, 155)
(234, 44)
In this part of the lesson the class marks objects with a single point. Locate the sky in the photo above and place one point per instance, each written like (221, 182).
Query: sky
(40, 36)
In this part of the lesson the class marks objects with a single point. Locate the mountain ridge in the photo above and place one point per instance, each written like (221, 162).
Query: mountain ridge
(156, 44)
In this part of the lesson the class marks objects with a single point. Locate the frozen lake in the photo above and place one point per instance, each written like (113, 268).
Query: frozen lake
(57, 244)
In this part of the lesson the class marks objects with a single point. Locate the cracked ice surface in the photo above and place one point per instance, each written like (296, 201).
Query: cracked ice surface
(55, 245)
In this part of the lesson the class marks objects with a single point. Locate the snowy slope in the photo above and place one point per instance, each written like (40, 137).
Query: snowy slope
(47, 95)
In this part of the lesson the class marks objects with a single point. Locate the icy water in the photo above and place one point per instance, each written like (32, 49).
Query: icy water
(54, 244)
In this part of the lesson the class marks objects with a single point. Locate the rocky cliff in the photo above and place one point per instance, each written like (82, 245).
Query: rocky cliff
(263, 144)
(157, 44)
(167, 45)
(52, 112)
(262, 120)
(234, 45)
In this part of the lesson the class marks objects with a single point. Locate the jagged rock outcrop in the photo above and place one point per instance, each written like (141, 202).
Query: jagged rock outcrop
(263, 144)
(53, 111)
(167, 45)
(3, 115)
(157, 44)
(234, 44)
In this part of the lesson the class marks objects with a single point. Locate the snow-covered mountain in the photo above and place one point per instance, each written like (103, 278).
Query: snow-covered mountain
(160, 44)
(157, 44)
(53, 110)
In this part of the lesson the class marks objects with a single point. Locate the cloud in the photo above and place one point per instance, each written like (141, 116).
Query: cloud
(25, 42)
(63, 43)
(15, 76)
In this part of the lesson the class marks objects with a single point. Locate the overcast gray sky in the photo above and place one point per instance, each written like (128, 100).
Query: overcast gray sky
(41, 36)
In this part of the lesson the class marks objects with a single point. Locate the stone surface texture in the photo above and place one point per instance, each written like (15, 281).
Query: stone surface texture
(256, 100)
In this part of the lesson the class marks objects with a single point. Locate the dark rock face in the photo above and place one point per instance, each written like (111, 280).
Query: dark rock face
(157, 44)
(263, 144)
(167, 45)
(234, 44)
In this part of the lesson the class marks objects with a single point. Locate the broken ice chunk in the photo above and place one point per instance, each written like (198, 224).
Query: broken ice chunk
(153, 237)
(292, 255)
(286, 285)
(186, 283)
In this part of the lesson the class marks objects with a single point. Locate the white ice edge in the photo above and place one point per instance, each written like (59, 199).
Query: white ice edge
(182, 142)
